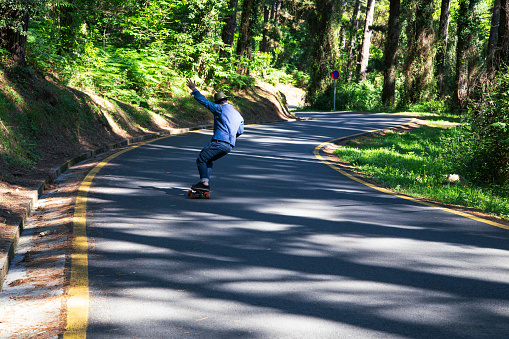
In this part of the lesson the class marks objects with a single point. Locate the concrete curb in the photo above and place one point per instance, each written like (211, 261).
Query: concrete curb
(17, 229)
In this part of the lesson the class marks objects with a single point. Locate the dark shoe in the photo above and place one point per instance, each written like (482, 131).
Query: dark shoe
(200, 187)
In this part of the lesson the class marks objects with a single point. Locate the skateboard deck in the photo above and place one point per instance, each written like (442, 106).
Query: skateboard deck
(198, 194)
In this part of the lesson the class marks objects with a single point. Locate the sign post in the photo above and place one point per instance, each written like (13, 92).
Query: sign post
(335, 76)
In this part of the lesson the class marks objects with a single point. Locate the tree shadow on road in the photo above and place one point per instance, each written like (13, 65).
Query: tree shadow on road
(285, 240)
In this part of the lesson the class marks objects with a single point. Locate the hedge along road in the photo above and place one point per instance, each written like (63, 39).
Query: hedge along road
(286, 247)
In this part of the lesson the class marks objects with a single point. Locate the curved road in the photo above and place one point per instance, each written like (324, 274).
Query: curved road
(285, 248)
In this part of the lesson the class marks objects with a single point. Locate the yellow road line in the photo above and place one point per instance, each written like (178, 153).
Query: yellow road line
(384, 190)
(78, 301)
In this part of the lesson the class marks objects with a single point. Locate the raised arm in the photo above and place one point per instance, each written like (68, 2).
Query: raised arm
(214, 108)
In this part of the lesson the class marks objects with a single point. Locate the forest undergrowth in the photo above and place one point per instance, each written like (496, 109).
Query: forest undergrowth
(426, 163)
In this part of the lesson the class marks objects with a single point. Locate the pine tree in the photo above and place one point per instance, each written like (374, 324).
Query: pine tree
(443, 34)
(366, 41)
(418, 68)
(464, 50)
(390, 53)
(321, 23)
(230, 27)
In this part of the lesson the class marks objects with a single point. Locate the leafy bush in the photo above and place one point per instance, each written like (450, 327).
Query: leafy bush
(433, 106)
(419, 162)
(226, 78)
(151, 55)
(301, 79)
(481, 146)
(276, 76)
(350, 97)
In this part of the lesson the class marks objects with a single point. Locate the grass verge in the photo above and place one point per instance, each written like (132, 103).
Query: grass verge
(416, 163)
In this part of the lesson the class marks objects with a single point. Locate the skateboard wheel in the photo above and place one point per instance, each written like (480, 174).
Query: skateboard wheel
(207, 195)
(192, 195)
(189, 193)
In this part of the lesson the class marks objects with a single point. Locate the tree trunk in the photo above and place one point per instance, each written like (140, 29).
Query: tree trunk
(443, 33)
(70, 25)
(245, 21)
(502, 48)
(492, 41)
(418, 68)
(248, 22)
(322, 57)
(264, 47)
(390, 53)
(353, 38)
(366, 42)
(465, 37)
(230, 27)
(276, 10)
(342, 31)
(15, 42)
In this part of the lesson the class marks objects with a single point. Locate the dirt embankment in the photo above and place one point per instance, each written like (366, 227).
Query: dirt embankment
(111, 122)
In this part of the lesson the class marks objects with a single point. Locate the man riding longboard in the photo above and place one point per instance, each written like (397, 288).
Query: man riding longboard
(228, 125)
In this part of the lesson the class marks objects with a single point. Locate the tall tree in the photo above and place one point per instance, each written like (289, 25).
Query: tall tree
(418, 68)
(390, 53)
(271, 21)
(230, 27)
(342, 31)
(443, 34)
(492, 41)
(14, 40)
(276, 10)
(14, 26)
(464, 49)
(264, 47)
(323, 54)
(366, 42)
(244, 29)
(354, 24)
(502, 49)
(247, 31)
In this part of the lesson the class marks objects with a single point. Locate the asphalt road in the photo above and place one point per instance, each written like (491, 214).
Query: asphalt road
(285, 248)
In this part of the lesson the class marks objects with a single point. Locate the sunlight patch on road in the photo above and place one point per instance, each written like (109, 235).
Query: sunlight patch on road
(303, 208)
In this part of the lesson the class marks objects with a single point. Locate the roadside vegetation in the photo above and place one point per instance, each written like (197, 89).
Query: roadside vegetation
(88, 72)
(426, 162)
(75, 72)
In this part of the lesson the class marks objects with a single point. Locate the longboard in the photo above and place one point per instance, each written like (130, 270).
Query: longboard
(198, 194)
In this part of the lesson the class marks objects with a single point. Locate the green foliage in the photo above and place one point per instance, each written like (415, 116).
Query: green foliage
(418, 163)
(231, 81)
(481, 146)
(351, 97)
(130, 75)
(19, 8)
(140, 52)
(432, 106)
(363, 97)
(300, 78)
(276, 76)
(408, 159)
(150, 48)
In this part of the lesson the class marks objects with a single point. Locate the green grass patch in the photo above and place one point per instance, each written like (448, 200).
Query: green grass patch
(416, 163)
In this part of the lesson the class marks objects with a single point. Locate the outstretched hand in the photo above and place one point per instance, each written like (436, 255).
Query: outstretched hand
(191, 84)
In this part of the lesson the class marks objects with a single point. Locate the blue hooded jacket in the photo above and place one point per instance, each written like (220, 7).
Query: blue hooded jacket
(228, 123)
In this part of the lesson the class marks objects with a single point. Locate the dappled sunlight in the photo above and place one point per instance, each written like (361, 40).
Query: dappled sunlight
(120, 191)
(285, 245)
(446, 259)
(289, 159)
(299, 208)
